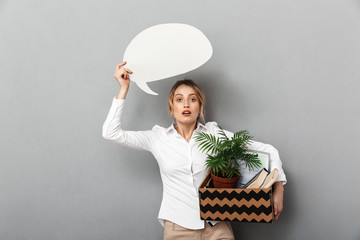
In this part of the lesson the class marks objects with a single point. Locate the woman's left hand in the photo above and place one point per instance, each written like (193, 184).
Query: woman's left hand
(278, 196)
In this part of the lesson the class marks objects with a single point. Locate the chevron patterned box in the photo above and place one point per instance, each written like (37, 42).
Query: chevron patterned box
(235, 204)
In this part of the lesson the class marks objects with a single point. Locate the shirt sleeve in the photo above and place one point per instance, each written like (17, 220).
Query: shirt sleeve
(275, 161)
(141, 140)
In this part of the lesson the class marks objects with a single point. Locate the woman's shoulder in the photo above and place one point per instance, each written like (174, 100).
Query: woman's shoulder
(261, 146)
(212, 126)
(160, 129)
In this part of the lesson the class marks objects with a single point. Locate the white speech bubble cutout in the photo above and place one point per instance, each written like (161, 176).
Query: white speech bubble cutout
(164, 51)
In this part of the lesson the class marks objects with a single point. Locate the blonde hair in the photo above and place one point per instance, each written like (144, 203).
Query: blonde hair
(199, 93)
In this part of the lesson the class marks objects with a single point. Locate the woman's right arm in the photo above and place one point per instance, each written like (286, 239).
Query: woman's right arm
(142, 140)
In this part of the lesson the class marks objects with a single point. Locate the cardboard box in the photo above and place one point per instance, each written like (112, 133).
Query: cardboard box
(235, 204)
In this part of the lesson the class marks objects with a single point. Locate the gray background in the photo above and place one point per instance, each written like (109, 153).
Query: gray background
(287, 71)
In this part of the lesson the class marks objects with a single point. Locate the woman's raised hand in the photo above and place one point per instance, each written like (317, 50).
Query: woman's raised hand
(122, 75)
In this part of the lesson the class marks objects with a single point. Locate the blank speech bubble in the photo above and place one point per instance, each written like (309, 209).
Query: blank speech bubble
(164, 51)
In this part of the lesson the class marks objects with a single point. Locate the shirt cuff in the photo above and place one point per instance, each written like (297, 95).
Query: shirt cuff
(118, 102)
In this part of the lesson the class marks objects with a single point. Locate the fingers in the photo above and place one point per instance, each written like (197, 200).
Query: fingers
(122, 72)
(277, 211)
(277, 216)
(128, 70)
(125, 75)
(118, 66)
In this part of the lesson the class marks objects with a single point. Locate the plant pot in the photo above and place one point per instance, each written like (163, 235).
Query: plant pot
(220, 182)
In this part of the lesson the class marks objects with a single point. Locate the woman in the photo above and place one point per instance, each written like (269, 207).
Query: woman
(180, 162)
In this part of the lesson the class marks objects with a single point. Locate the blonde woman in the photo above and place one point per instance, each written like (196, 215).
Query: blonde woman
(181, 164)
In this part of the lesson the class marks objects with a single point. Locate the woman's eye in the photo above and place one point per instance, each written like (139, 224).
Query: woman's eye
(179, 99)
(193, 99)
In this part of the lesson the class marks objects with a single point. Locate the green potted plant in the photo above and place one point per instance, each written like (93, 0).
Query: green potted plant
(224, 156)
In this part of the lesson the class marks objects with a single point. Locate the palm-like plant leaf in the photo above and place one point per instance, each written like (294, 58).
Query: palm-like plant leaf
(224, 154)
(215, 164)
(208, 142)
(222, 134)
(252, 161)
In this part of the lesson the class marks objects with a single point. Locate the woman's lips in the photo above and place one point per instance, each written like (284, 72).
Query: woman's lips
(186, 113)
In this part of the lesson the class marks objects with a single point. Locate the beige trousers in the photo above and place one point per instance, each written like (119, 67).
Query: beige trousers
(221, 230)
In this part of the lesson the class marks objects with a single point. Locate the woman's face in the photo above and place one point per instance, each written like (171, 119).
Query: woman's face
(186, 106)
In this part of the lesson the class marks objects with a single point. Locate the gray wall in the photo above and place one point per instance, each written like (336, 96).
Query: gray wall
(287, 71)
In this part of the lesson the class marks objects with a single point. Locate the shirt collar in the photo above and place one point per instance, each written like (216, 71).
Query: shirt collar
(197, 129)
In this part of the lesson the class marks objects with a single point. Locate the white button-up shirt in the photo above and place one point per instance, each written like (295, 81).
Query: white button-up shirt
(181, 164)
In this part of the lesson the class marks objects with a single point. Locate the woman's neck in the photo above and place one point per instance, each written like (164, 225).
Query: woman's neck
(186, 130)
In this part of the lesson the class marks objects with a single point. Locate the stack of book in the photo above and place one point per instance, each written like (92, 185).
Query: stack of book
(246, 174)
(263, 179)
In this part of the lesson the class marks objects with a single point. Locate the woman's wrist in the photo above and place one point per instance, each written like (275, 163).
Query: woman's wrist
(123, 92)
